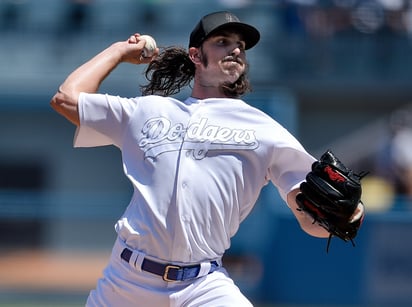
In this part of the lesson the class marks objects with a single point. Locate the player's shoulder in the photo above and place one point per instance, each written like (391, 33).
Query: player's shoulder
(153, 99)
(256, 111)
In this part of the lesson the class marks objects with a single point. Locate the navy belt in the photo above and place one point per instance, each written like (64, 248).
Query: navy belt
(169, 272)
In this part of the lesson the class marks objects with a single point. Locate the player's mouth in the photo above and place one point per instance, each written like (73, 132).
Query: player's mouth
(232, 59)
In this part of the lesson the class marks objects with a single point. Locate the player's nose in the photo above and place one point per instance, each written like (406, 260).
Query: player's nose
(235, 51)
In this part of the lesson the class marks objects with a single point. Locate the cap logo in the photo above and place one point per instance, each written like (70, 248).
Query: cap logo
(230, 18)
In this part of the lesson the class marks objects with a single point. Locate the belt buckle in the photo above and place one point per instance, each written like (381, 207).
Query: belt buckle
(166, 273)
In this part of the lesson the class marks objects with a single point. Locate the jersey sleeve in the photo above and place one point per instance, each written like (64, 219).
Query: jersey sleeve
(103, 119)
(290, 165)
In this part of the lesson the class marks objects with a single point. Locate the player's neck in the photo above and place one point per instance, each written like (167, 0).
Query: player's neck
(204, 92)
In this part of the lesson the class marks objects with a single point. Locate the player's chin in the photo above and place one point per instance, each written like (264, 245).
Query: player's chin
(233, 79)
(232, 76)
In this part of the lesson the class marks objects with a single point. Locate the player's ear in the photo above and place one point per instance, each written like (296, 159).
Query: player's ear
(194, 55)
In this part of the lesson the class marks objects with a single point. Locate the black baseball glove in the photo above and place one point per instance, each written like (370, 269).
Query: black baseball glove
(330, 195)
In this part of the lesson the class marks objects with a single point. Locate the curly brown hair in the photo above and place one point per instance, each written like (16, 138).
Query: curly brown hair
(172, 70)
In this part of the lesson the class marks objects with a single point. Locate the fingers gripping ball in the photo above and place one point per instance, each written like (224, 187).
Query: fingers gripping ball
(331, 195)
(149, 47)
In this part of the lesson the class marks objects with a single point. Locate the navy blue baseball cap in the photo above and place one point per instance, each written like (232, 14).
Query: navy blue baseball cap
(214, 22)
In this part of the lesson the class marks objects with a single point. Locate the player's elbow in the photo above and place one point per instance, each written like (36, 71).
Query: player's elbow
(65, 106)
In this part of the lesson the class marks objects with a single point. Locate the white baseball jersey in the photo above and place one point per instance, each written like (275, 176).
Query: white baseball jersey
(197, 168)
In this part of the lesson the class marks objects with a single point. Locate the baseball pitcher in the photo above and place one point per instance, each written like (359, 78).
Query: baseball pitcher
(197, 166)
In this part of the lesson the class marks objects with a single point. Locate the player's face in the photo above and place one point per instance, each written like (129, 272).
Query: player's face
(223, 59)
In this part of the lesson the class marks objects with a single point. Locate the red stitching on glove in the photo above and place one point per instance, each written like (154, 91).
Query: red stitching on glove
(334, 175)
(314, 208)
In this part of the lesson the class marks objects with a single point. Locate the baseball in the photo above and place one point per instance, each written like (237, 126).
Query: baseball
(149, 47)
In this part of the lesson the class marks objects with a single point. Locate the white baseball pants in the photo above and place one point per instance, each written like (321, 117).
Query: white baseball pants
(125, 285)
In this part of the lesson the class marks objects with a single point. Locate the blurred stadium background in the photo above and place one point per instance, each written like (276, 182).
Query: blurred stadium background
(337, 73)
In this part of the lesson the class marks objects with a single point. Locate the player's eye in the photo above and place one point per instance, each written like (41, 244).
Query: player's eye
(221, 41)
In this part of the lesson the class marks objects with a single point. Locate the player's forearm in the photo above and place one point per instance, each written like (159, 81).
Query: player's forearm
(311, 228)
(88, 77)
(305, 221)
